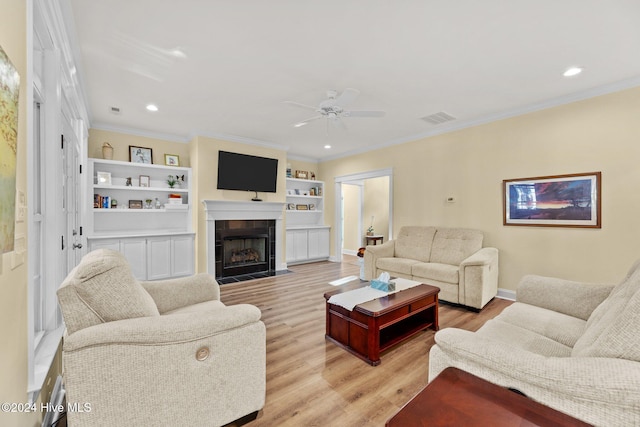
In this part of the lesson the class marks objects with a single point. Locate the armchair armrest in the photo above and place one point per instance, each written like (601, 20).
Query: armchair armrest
(587, 379)
(577, 299)
(160, 330)
(181, 292)
(479, 278)
(371, 255)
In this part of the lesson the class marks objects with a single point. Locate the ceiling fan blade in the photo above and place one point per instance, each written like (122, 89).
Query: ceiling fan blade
(297, 104)
(364, 113)
(347, 97)
(304, 122)
(337, 122)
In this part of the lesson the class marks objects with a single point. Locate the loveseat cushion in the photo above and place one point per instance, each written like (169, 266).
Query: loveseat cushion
(414, 242)
(612, 328)
(102, 289)
(498, 332)
(397, 265)
(453, 245)
(434, 271)
(557, 326)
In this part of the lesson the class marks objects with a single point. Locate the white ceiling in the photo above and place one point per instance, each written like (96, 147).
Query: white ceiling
(475, 60)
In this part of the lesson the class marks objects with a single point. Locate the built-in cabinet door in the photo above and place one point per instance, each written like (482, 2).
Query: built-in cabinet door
(154, 258)
(296, 245)
(158, 258)
(318, 243)
(134, 250)
(182, 248)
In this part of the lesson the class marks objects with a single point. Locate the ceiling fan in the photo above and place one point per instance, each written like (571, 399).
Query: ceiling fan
(334, 108)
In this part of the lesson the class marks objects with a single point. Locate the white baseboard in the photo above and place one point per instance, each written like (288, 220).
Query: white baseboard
(506, 294)
(349, 252)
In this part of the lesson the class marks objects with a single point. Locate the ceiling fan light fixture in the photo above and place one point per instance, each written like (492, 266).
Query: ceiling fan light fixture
(572, 71)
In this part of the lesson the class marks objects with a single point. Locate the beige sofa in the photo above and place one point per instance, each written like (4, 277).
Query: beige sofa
(572, 346)
(452, 259)
(157, 353)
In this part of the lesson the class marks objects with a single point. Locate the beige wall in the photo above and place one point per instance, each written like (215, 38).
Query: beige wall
(376, 205)
(13, 283)
(121, 142)
(205, 172)
(598, 134)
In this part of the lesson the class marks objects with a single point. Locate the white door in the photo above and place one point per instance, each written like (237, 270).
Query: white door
(72, 240)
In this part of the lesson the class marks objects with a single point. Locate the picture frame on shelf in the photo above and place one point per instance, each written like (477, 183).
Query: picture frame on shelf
(103, 178)
(145, 181)
(301, 174)
(135, 204)
(571, 200)
(172, 160)
(140, 155)
(302, 207)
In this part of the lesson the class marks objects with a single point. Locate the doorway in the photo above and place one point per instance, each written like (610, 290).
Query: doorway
(363, 200)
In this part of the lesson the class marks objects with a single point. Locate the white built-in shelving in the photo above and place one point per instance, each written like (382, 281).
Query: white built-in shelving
(307, 236)
(158, 242)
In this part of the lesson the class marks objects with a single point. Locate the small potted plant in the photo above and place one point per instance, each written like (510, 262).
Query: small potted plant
(370, 229)
(172, 180)
(148, 203)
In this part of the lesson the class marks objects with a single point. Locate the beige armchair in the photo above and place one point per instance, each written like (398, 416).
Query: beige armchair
(157, 353)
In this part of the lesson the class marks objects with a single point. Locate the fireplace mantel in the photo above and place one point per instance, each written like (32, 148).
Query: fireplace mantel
(217, 210)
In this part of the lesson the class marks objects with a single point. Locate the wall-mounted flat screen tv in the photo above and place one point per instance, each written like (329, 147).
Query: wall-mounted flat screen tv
(246, 173)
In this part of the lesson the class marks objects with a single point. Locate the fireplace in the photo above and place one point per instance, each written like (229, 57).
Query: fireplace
(244, 247)
(248, 215)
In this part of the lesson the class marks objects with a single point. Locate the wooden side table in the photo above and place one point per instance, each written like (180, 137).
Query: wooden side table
(457, 398)
(375, 238)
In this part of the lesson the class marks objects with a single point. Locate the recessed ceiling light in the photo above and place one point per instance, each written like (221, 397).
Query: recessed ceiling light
(178, 53)
(152, 107)
(327, 146)
(573, 71)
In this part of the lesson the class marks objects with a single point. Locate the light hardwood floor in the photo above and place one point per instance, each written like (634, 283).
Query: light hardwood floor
(311, 382)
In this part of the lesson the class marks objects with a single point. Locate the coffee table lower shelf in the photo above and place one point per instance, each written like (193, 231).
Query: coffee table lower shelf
(374, 326)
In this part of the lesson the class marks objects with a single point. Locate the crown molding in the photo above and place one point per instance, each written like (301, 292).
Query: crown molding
(140, 132)
(514, 112)
(240, 139)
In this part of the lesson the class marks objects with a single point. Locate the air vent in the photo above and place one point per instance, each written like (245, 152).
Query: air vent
(114, 110)
(438, 118)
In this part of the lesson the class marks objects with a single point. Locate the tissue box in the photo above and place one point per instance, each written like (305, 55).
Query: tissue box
(383, 286)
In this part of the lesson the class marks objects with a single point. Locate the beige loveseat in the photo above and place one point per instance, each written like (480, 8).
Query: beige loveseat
(452, 259)
(572, 346)
(157, 353)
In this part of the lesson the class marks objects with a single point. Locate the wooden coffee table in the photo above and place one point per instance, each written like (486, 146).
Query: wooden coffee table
(374, 326)
(457, 398)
